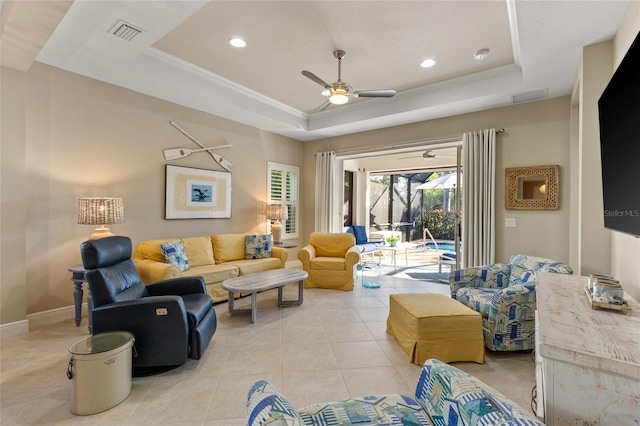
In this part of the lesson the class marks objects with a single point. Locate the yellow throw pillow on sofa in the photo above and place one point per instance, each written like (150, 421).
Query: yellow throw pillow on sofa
(227, 247)
(199, 250)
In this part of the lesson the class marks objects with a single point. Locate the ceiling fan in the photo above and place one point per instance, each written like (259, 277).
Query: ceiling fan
(427, 155)
(340, 92)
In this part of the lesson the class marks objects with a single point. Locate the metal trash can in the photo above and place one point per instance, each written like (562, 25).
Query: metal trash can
(100, 367)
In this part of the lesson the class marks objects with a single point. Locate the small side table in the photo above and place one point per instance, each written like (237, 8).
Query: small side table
(78, 277)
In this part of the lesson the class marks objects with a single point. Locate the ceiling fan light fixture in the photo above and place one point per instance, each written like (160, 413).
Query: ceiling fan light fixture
(339, 96)
(481, 54)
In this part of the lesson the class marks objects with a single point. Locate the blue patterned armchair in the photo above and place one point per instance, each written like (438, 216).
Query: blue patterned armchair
(505, 295)
(444, 396)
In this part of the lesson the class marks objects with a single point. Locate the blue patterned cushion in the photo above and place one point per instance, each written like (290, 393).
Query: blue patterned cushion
(369, 410)
(478, 299)
(266, 405)
(453, 397)
(524, 267)
(258, 246)
(174, 254)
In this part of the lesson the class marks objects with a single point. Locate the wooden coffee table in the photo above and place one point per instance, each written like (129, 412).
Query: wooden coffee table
(261, 281)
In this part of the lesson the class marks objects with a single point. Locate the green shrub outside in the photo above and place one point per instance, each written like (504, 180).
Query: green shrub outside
(441, 223)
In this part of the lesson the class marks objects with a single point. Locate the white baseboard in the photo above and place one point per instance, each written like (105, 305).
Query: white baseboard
(53, 316)
(40, 319)
(12, 329)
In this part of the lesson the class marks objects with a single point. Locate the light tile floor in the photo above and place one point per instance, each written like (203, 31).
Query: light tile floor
(333, 346)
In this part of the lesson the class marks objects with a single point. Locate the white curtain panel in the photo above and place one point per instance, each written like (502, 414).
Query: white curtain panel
(325, 170)
(478, 197)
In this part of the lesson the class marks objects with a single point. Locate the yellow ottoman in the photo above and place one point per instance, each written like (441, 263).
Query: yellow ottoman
(435, 326)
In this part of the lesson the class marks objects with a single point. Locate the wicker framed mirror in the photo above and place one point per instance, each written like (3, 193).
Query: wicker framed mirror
(532, 188)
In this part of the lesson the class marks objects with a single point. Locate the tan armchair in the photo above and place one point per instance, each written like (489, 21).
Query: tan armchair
(330, 259)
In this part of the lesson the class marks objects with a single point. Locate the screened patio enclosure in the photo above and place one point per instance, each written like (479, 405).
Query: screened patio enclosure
(396, 203)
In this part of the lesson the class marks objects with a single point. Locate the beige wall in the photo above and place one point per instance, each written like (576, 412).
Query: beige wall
(537, 133)
(593, 246)
(13, 284)
(625, 249)
(70, 136)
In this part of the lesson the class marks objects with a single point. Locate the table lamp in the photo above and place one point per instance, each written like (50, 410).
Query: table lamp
(277, 212)
(100, 211)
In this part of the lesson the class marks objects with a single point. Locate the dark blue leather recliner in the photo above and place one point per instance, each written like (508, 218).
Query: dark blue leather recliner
(172, 321)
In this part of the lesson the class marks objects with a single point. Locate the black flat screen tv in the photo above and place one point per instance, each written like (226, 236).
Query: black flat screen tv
(619, 114)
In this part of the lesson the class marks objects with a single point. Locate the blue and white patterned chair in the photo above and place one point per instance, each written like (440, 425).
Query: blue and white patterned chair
(505, 295)
(444, 396)
(454, 397)
(266, 405)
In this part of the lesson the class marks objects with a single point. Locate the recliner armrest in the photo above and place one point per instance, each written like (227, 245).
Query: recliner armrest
(177, 286)
(141, 308)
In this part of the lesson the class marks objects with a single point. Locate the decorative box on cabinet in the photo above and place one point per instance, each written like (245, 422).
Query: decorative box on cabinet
(590, 359)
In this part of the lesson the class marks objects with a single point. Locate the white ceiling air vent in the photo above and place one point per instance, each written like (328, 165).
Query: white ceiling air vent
(125, 31)
(534, 95)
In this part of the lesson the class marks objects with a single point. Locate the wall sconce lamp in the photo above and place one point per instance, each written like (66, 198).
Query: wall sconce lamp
(277, 212)
(100, 211)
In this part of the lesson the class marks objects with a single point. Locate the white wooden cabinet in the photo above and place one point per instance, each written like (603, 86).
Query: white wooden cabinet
(588, 366)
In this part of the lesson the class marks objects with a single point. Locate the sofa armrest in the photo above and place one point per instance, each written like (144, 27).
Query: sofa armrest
(151, 271)
(488, 276)
(177, 286)
(306, 255)
(352, 257)
(280, 253)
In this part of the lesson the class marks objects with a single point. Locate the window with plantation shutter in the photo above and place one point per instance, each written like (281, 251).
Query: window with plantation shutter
(283, 189)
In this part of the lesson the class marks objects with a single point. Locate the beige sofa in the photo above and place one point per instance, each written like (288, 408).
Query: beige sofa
(214, 257)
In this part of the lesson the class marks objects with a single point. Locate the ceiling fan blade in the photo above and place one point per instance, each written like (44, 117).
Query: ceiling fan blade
(322, 107)
(315, 78)
(375, 94)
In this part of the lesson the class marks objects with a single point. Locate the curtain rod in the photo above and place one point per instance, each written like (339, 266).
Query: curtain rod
(406, 145)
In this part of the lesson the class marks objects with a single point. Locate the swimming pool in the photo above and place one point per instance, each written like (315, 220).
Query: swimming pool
(442, 246)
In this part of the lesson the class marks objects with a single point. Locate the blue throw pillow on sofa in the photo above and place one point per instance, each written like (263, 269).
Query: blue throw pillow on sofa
(174, 254)
(360, 234)
(258, 246)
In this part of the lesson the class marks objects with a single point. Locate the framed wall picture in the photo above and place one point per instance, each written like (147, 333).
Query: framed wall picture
(197, 193)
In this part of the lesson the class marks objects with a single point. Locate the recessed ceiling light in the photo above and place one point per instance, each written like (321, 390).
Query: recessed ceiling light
(237, 42)
(481, 54)
(428, 63)
(325, 92)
